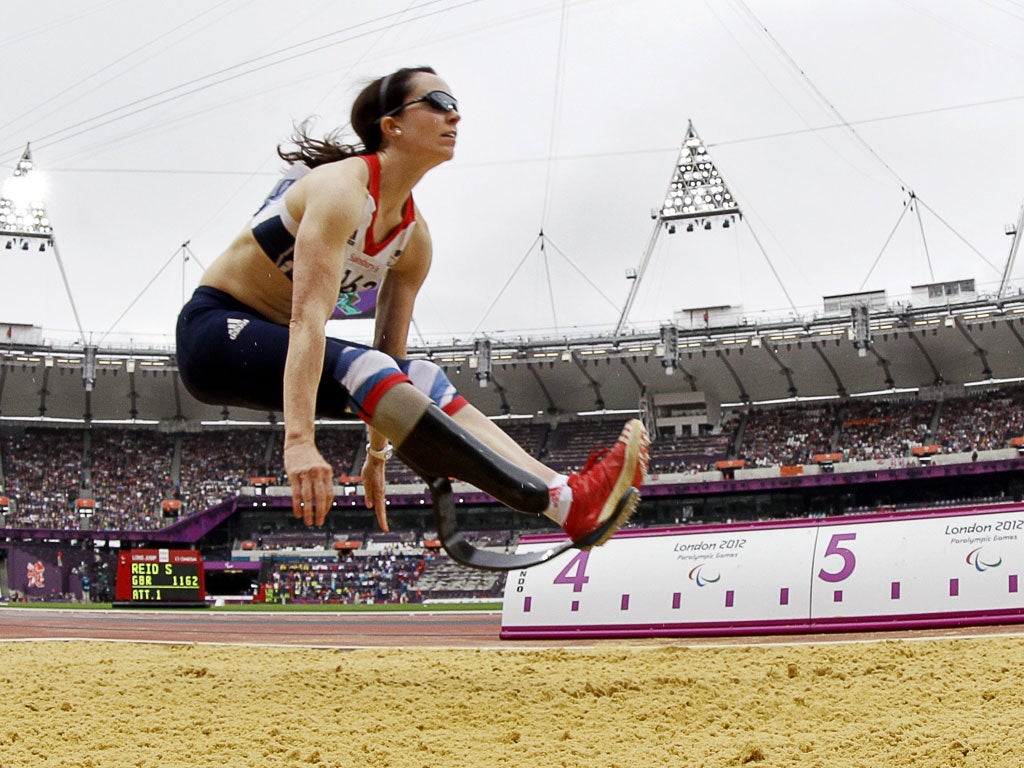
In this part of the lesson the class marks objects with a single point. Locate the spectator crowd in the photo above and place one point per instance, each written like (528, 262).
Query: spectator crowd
(382, 578)
(124, 477)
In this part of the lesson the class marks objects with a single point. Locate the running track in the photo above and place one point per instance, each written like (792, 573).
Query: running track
(334, 630)
(472, 629)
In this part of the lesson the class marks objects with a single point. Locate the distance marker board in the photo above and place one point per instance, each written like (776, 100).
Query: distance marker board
(943, 567)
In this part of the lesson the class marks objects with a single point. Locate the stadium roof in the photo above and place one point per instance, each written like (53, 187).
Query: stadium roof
(902, 348)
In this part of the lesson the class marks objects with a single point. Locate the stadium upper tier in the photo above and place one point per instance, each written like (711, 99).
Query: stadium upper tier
(933, 350)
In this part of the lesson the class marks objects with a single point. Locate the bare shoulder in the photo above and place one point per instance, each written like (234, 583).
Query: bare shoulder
(347, 171)
(328, 185)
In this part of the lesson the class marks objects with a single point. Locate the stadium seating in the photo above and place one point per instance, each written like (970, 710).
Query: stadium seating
(571, 443)
(43, 476)
(130, 475)
(786, 435)
(884, 429)
(215, 464)
(688, 453)
(982, 422)
(127, 473)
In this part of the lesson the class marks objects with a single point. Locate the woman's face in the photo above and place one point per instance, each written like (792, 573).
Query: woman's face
(425, 126)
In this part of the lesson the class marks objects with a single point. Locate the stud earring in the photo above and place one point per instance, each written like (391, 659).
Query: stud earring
(398, 131)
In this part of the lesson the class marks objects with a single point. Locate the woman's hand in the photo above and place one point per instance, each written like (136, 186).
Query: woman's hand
(312, 481)
(374, 486)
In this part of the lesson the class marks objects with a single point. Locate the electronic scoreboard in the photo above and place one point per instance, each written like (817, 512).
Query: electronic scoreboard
(160, 577)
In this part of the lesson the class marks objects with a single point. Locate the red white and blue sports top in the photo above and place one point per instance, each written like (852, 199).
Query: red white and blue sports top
(366, 262)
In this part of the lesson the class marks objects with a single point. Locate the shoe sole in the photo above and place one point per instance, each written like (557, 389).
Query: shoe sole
(624, 498)
(624, 510)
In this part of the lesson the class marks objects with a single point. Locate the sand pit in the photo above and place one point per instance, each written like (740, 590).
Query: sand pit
(936, 703)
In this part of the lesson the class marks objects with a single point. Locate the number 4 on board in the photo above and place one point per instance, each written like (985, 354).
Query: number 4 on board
(575, 572)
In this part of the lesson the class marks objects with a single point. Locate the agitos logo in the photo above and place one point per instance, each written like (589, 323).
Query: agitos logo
(974, 557)
(702, 577)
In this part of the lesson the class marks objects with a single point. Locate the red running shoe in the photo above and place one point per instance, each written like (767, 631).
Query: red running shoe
(605, 493)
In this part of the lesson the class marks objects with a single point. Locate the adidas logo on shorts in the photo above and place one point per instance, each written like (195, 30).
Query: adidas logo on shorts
(235, 326)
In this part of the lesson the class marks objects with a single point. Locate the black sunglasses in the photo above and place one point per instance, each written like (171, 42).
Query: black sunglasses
(439, 100)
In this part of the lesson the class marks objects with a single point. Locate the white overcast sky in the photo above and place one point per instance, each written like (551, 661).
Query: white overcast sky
(155, 124)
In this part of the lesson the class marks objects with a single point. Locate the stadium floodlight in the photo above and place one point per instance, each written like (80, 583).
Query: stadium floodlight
(696, 194)
(22, 210)
(23, 220)
(697, 189)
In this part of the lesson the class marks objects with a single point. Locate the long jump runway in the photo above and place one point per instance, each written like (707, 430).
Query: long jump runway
(447, 629)
(330, 630)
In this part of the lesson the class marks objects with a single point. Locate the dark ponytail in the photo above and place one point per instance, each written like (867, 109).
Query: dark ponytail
(376, 99)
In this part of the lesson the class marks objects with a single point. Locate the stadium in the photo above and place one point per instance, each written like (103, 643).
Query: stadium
(880, 411)
(920, 421)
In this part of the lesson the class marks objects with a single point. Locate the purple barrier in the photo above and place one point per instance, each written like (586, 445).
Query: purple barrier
(965, 469)
(231, 565)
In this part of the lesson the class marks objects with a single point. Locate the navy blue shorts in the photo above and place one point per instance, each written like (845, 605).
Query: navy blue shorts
(229, 354)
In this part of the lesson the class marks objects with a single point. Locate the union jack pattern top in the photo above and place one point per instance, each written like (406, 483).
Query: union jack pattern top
(366, 261)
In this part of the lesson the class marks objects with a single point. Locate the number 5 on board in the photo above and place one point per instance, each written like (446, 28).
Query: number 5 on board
(849, 561)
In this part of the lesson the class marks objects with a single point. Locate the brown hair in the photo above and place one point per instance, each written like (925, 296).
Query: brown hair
(373, 102)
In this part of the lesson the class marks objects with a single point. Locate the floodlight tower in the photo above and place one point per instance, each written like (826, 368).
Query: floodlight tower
(24, 224)
(697, 194)
(23, 219)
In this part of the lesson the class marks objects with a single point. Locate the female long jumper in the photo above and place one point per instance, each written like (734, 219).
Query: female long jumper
(339, 235)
